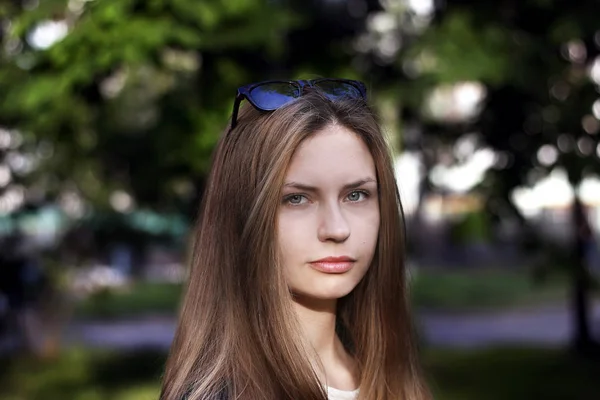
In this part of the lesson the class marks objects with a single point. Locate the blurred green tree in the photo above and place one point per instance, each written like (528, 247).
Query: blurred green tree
(132, 98)
(123, 101)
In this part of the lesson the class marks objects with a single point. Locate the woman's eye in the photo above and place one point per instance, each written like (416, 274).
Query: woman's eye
(296, 199)
(357, 195)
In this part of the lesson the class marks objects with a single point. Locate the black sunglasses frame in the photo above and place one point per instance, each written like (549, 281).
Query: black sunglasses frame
(244, 92)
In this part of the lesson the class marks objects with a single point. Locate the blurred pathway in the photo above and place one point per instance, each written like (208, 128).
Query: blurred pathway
(549, 326)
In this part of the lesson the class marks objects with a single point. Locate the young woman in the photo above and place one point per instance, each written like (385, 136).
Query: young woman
(297, 287)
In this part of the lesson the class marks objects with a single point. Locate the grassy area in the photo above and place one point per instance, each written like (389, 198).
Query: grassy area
(483, 289)
(141, 298)
(84, 375)
(499, 374)
(435, 289)
(513, 373)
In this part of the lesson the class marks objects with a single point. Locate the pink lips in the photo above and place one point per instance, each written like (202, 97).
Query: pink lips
(333, 265)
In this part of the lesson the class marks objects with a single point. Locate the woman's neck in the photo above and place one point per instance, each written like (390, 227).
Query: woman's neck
(333, 364)
(317, 319)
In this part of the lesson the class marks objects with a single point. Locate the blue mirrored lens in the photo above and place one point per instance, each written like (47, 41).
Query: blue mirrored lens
(271, 96)
(336, 90)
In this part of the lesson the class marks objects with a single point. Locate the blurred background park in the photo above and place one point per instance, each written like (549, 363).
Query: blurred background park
(109, 111)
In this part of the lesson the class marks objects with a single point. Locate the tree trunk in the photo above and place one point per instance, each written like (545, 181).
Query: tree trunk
(580, 305)
(580, 291)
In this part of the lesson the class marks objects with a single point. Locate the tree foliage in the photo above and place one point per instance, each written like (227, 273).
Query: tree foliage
(134, 97)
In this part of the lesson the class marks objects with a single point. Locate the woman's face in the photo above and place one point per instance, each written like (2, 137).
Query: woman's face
(329, 215)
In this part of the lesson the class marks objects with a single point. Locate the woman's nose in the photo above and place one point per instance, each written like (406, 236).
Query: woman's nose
(333, 225)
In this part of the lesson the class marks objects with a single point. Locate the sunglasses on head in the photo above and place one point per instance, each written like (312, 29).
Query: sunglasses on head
(271, 95)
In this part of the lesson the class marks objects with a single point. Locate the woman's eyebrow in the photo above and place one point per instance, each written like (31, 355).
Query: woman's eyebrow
(352, 185)
(359, 183)
(301, 186)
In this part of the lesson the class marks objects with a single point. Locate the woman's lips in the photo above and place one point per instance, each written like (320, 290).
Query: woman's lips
(333, 265)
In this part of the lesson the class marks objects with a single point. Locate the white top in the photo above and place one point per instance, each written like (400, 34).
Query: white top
(337, 394)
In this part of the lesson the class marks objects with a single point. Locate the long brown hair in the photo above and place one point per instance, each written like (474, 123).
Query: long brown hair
(238, 333)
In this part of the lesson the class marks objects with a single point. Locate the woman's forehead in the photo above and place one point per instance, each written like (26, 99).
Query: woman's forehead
(333, 154)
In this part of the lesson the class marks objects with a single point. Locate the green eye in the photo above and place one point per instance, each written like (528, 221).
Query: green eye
(356, 196)
(296, 199)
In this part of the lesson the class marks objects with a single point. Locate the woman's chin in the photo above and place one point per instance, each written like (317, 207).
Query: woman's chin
(329, 291)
